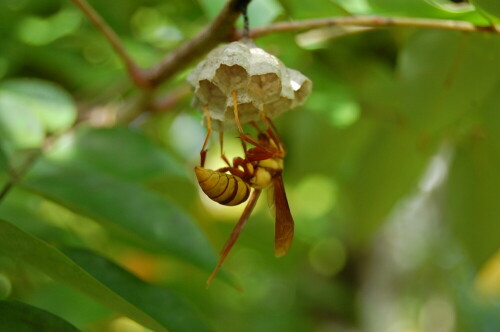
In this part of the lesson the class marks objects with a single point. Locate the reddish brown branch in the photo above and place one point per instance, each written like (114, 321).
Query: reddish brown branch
(171, 99)
(370, 21)
(221, 29)
(134, 71)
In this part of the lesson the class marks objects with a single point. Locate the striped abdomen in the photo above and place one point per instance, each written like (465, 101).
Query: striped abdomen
(222, 188)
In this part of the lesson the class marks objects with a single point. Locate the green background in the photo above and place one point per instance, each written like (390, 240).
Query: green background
(392, 175)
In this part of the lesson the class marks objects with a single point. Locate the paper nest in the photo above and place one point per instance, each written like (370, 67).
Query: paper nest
(260, 80)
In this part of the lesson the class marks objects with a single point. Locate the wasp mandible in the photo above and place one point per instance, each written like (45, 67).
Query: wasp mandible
(261, 168)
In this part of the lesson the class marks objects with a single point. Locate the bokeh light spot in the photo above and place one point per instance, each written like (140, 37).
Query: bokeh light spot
(314, 197)
(154, 28)
(35, 31)
(345, 114)
(186, 136)
(327, 256)
(488, 279)
(438, 315)
(42, 31)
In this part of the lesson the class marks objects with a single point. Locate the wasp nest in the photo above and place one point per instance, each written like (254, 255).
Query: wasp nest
(261, 82)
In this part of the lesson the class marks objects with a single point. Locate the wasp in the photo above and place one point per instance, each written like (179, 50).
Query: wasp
(245, 179)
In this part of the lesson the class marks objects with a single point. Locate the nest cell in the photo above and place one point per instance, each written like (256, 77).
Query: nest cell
(260, 80)
(231, 78)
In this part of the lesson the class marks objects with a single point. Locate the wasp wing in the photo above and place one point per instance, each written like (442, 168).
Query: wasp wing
(235, 233)
(283, 229)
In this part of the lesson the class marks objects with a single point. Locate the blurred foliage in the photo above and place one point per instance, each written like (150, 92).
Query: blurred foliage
(392, 176)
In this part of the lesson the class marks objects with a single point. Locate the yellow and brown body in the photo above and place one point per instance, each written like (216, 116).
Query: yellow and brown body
(223, 188)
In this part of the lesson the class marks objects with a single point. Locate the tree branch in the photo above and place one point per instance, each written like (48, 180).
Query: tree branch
(15, 176)
(171, 99)
(136, 73)
(370, 21)
(221, 29)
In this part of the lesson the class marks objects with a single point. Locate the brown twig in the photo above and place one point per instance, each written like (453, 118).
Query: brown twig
(15, 176)
(221, 29)
(171, 99)
(136, 73)
(369, 21)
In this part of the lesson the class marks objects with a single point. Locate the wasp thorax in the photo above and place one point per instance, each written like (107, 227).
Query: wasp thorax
(261, 179)
(261, 82)
(275, 164)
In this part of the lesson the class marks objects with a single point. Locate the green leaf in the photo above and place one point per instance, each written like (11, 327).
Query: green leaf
(118, 151)
(382, 173)
(425, 8)
(22, 246)
(375, 163)
(473, 190)
(51, 104)
(263, 12)
(165, 306)
(17, 316)
(4, 160)
(490, 7)
(148, 218)
(446, 76)
(474, 184)
(55, 296)
(29, 212)
(18, 125)
(299, 9)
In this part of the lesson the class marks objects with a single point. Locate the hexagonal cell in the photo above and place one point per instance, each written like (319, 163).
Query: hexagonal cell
(303, 92)
(278, 107)
(260, 79)
(265, 88)
(231, 78)
(301, 86)
(210, 95)
(247, 112)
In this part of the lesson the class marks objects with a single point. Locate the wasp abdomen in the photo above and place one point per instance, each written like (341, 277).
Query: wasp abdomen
(222, 188)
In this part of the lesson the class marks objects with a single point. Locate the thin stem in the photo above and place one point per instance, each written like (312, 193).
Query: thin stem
(370, 21)
(16, 176)
(246, 22)
(221, 29)
(133, 69)
(171, 99)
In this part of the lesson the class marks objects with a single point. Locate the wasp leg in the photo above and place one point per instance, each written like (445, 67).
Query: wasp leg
(270, 127)
(256, 126)
(235, 233)
(221, 141)
(233, 170)
(244, 138)
(245, 165)
(203, 152)
(241, 168)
